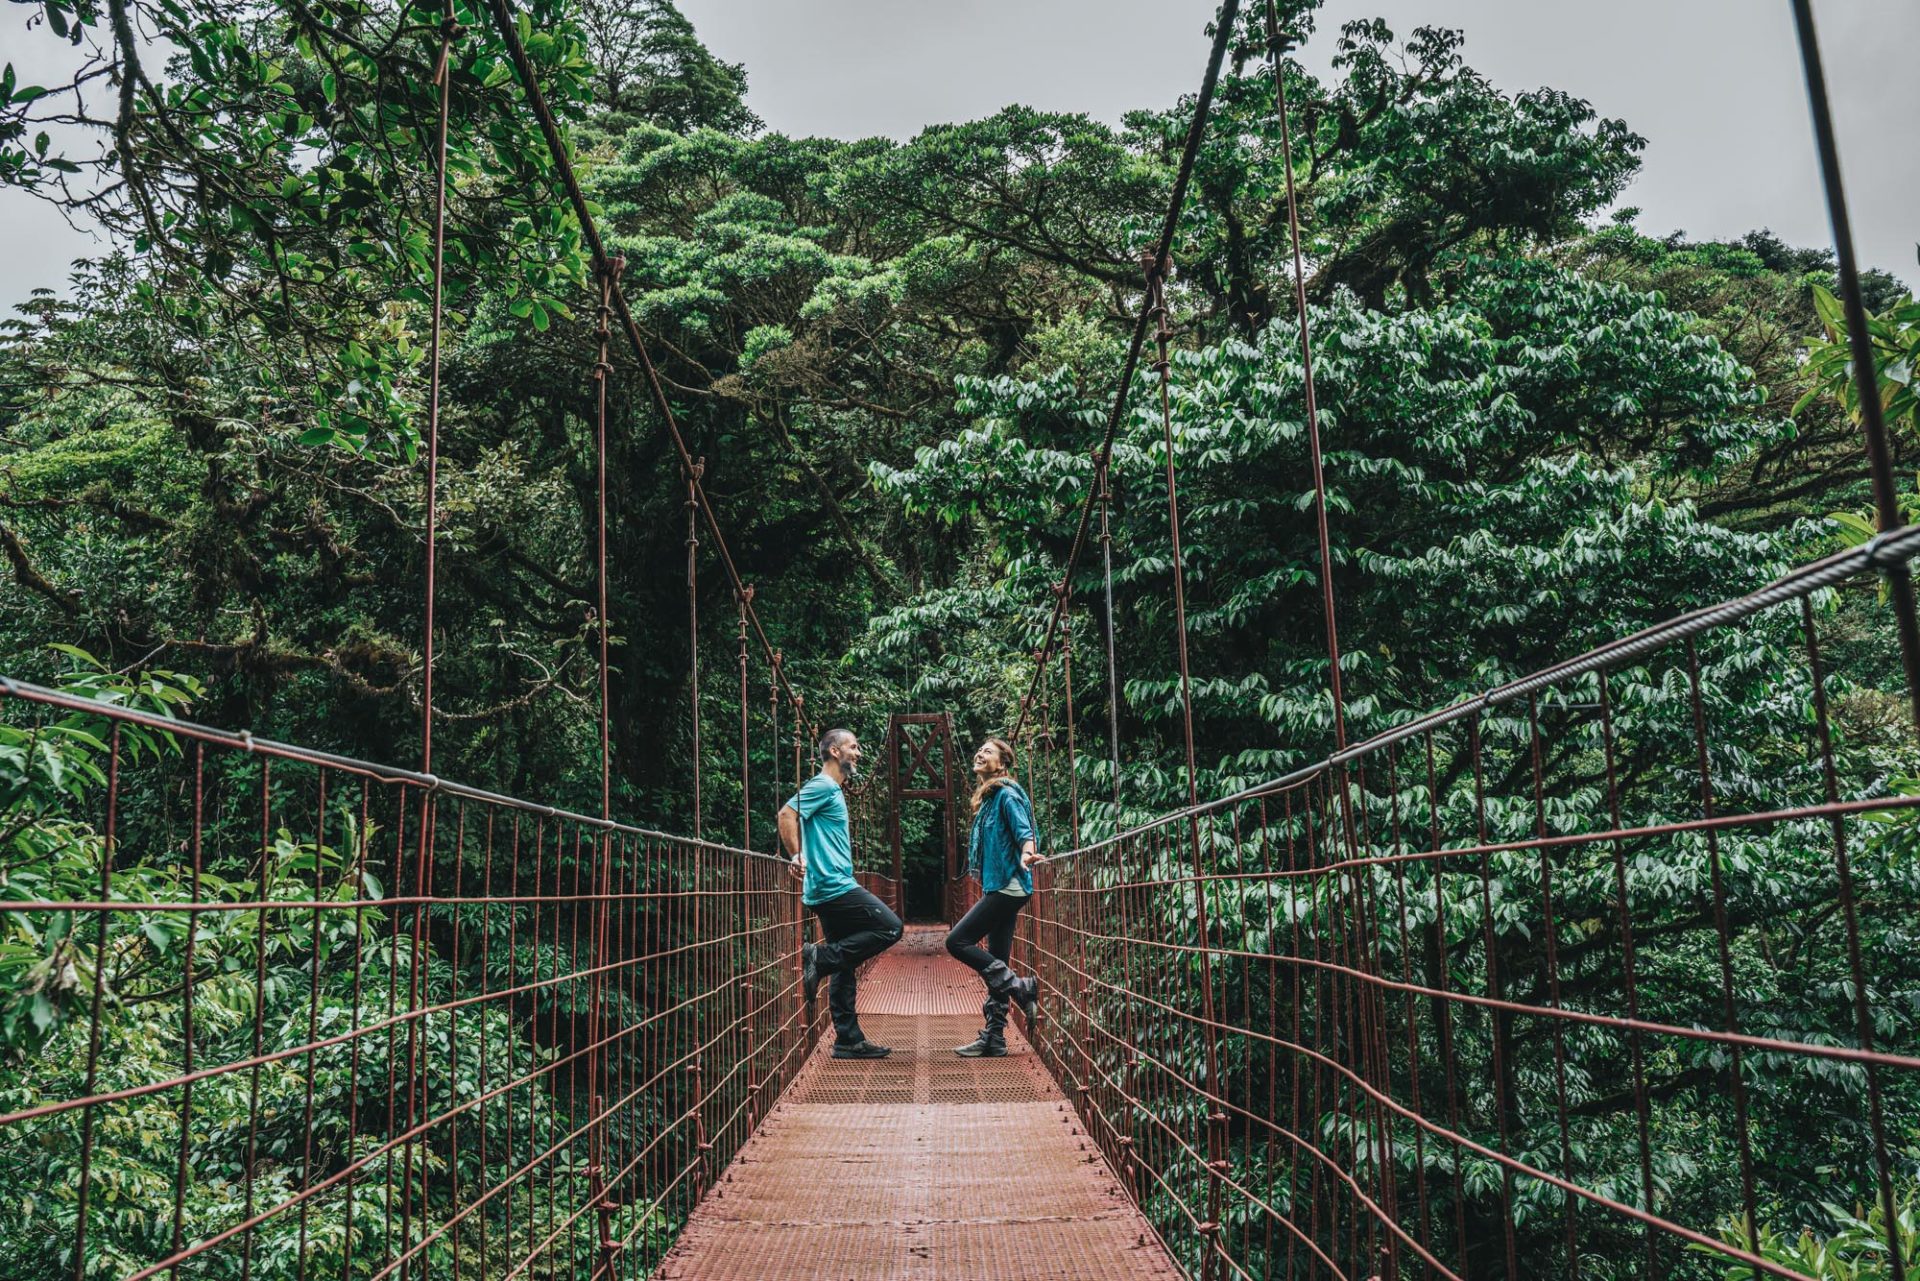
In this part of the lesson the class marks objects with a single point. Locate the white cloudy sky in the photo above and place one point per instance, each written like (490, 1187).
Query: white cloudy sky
(1714, 85)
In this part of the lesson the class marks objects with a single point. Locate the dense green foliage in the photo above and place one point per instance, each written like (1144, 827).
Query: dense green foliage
(1541, 433)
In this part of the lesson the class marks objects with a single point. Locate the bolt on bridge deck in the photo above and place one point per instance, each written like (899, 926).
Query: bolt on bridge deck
(921, 1165)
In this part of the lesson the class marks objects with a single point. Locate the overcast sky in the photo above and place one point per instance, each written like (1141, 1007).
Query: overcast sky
(1714, 86)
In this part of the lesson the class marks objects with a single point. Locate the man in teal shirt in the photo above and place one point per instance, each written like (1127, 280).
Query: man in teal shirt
(813, 827)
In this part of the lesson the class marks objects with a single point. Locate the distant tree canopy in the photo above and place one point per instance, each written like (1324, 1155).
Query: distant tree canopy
(238, 388)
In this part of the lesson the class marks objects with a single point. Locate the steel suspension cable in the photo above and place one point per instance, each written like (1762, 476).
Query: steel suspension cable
(1896, 573)
(1161, 254)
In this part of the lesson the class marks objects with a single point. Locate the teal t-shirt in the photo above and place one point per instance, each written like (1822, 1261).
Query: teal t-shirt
(825, 848)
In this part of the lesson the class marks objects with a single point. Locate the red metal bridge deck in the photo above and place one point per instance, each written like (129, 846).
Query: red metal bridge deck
(922, 1165)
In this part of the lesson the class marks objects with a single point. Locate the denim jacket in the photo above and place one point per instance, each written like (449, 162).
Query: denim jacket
(1003, 824)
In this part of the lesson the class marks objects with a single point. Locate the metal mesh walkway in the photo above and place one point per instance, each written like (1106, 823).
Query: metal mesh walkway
(922, 1165)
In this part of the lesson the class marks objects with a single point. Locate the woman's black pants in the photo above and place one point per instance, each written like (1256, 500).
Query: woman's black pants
(990, 921)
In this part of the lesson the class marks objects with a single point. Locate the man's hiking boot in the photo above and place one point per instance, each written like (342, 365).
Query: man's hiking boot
(809, 975)
(985, 1046)
(861, 1050)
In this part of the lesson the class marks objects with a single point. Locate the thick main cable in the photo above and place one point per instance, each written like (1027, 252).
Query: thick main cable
(1873, 426)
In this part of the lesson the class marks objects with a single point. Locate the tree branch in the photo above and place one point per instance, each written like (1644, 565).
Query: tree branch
(31, 578)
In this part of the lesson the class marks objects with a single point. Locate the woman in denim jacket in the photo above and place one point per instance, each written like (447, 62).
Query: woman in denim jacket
(1000, 849)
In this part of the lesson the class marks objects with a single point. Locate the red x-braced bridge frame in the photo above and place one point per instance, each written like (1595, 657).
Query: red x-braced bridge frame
(1308, 1027)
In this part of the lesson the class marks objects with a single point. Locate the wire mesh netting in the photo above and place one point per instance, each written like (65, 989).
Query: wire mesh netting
(273, 1013)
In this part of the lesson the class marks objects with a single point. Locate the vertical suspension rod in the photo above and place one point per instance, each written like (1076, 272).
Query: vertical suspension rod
(603, 872)
(1156, 278)
(1103, 493)
(1066, 695)
(415, 1086)
(602, 371)
(693, 625)
(744, 597)
(1278, 45)
(1163, 247)
(443, 78)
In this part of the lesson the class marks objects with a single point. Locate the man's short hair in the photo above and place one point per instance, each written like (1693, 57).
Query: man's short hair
(831, 739)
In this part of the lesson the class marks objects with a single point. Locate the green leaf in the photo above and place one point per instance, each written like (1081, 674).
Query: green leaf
(1828, 308)
(1855, 528)
(79, 655)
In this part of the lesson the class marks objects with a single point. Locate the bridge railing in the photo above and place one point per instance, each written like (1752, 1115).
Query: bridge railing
(274, 1013)
(1608, 972)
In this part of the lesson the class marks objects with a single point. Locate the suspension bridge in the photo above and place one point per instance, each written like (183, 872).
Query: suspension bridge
(578, 1048)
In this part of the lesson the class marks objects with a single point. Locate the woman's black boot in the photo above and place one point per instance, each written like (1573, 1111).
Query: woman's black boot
(992, 1041)
(1023, 992)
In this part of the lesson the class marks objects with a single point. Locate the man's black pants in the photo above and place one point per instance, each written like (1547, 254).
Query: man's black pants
(857, 926)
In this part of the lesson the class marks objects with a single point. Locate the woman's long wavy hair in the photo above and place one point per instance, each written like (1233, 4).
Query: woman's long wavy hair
(1004, 750)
